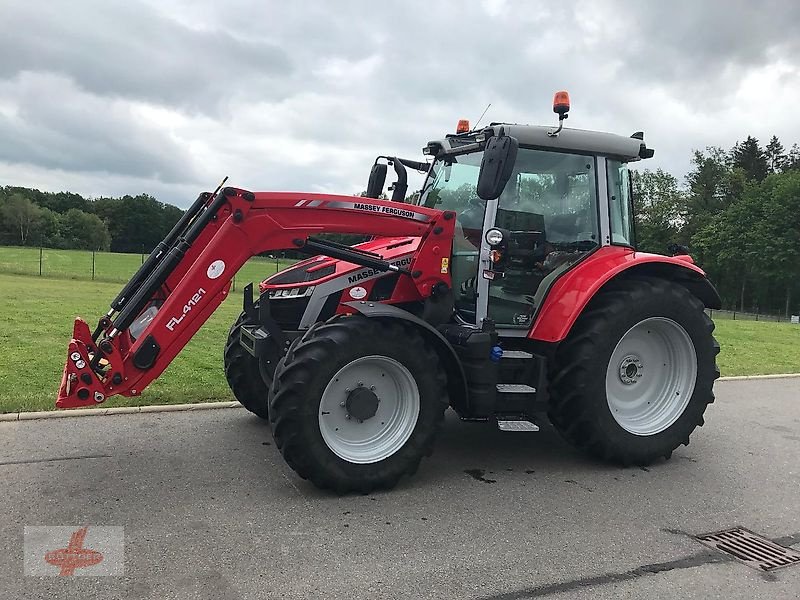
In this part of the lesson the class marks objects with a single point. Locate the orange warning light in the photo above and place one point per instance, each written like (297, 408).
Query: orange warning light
(561, 103)
(463, 126)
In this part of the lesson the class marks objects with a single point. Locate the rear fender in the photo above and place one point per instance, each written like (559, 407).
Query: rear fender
(456, 379)
(570, 293)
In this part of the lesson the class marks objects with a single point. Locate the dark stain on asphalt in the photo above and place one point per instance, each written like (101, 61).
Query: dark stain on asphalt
(530, 471)
(779, 428)
(706, 557)
(477, 474)
(645, 469)
(55, 459)
(580, 485)
(266, 444)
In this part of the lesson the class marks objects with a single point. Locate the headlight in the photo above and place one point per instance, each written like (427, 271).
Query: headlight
(494, 237)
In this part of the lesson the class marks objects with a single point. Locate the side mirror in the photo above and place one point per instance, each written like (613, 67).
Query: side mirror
(400, 186)
(377, 177)
(496, 166)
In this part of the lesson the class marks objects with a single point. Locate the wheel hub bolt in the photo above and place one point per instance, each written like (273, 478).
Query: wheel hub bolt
(630, 370)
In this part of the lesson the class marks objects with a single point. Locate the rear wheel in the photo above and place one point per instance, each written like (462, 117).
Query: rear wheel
(243, 374)
(633, 378)
(356, 403)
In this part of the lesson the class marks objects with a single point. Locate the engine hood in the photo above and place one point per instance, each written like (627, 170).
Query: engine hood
(319, 269)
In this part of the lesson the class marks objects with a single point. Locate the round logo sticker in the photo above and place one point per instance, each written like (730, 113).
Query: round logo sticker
(215, 269)
(358, 293)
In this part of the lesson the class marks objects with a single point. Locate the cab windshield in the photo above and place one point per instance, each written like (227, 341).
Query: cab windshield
(549, 206)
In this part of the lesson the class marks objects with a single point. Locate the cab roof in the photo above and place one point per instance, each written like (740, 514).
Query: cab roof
(568, 140)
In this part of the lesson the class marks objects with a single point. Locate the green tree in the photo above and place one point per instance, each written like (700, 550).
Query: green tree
(84, 230)
(793, 159)
(659, 206)
(780, 195)
(20, 217)
(46, 228)
(732, 242)
(136, 223)
(776, 156)
(712, 186)
(749, 156)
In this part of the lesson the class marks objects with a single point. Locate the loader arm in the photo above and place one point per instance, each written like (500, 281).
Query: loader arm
(188, 276)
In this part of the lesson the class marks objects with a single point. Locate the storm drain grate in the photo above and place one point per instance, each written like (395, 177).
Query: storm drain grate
(751, 549)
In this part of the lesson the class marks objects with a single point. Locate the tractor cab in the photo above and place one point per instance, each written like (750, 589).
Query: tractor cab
(567, 194)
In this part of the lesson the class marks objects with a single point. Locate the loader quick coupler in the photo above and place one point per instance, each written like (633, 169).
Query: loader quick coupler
(261, 335)
(80, 382)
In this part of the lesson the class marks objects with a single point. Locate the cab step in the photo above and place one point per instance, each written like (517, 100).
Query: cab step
(516, 425)
(517, 355)
(515, 388)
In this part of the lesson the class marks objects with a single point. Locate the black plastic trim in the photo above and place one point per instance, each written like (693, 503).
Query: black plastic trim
(146, 354)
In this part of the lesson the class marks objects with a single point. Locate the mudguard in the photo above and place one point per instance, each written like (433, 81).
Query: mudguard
(570, 293)
(456, 379)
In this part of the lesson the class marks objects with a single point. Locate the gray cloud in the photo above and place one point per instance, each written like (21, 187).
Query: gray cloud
(287, 96)
(57, 126)
(129, 50)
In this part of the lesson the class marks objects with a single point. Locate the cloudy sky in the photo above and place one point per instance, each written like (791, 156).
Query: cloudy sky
(106, 97)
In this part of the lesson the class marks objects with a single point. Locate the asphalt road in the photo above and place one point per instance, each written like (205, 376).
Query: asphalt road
(210, 510)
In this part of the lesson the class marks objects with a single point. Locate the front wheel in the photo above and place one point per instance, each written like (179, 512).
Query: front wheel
(633, 378)
(357, 402)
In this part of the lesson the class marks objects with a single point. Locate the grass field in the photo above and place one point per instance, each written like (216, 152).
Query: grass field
(108, 266)
(36, 317)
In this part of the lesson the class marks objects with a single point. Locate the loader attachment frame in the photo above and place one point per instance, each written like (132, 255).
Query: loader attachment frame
(189, 275)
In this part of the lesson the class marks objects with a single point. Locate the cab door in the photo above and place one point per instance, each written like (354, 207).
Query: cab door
(549, 210)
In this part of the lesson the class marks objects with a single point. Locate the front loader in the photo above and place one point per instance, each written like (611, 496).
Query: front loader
(510, 290)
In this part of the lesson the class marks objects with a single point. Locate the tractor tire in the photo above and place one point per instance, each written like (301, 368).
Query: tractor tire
(357, 402)
(633, 378)
(243, 374)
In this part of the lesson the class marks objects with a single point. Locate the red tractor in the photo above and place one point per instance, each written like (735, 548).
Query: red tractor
(509, 289)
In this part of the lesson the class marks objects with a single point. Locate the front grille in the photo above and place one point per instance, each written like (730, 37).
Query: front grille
(751, 549)
(287, 312)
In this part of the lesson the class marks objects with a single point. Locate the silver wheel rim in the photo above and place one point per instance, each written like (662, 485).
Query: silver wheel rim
(378, 437)
(651, 376)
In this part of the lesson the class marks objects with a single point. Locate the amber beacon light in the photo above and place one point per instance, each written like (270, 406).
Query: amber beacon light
(561, 107)
(463, 126)
(561, 103)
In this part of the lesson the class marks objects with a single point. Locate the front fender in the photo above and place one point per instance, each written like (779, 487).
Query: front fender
(570, 293)
(456, 379)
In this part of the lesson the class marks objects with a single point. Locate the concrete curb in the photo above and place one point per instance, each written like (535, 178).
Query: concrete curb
(120, 410)
(746, 377)
(159, 408)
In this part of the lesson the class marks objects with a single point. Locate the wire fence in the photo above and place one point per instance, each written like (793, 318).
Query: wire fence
(112, 267)
(116, 267)
(737, 315)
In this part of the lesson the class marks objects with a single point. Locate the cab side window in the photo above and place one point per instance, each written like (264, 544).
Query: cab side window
(619, 203)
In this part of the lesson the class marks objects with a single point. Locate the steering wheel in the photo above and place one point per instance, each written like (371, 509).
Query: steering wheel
(472, 217)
